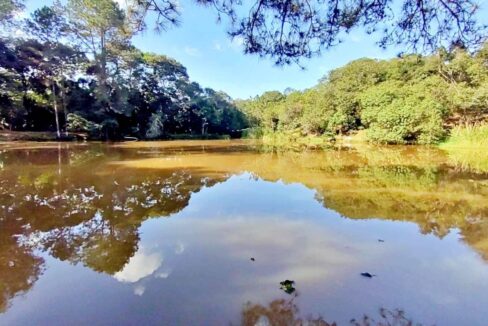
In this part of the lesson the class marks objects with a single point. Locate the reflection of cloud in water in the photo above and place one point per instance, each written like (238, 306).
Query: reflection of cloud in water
(142, 264)
(217, 259)
(454, 268)
(294, 248)
(163, 274)
(297, 249)
(180, 248)
(139, 290)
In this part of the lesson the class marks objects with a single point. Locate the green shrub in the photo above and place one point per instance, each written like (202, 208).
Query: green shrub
(76, 123)
(402, 115)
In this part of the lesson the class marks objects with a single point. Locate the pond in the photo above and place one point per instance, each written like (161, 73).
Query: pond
(203, 232)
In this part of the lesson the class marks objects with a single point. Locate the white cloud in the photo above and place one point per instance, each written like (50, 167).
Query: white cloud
(217, 46)
(355, 38)
(193, 52)
(236, 43)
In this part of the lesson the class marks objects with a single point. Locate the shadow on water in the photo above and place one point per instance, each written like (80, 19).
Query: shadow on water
(85, 204)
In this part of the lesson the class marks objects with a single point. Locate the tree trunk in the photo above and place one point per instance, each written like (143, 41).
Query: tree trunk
(58, 131)
(103, 68)
(63, 105)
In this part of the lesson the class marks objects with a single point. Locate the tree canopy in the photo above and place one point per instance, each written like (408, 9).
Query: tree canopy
(411, 99)
(290, 30)
(77, 71)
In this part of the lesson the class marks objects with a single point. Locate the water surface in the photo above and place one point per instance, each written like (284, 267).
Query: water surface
(163, 233)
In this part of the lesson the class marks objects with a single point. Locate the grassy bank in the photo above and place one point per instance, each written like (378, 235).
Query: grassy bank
(292, 140)
(467, 147)
(7, 136)
(295, 138)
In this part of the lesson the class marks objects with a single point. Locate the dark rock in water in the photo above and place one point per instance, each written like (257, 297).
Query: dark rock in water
(366, 274)
(252, 259)
(287, 286)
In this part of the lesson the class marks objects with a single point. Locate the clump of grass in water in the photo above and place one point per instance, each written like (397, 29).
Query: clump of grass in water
(467, 147)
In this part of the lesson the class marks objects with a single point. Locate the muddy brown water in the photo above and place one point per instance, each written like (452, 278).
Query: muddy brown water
(163, 233)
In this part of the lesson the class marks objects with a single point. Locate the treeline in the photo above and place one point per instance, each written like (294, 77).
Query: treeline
(73, 69)
(410, 99)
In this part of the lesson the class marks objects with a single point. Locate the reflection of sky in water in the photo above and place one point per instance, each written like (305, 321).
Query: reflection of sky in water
(206, 275)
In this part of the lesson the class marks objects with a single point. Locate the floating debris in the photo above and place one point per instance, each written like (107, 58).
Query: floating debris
(381, 240)
(366, 274)
(252, 259)
(287, 286)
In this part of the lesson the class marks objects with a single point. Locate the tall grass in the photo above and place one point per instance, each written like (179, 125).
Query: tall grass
(468, 136)
(467, 147)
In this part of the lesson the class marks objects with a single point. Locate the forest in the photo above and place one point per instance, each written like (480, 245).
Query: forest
(409, 99)
(74, 70)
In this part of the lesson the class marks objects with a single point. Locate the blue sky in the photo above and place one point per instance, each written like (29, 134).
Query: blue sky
(213, 60)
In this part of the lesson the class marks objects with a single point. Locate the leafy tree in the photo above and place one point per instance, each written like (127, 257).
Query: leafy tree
(410, 99)
(50, 27)
(97, 25)
(76, 123)
(79, 56)
(403, 114)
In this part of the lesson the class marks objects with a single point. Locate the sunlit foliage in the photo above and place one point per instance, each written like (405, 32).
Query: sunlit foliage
(75, 70)
(410, 99)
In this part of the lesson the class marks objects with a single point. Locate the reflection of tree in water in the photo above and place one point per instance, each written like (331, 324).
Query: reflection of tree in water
(386, 317)
(400, 184)
(95, 243)
(475, 234)
(283, 312)
(82, 223)
(97, 229)
(69, 203)
(76, 215)
(278, 312)
(19, 267)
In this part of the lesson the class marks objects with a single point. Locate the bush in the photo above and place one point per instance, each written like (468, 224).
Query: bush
(76, 123)
(402, 115)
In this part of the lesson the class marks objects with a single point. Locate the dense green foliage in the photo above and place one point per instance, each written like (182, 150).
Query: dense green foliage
(412, 99)
(77, 71)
